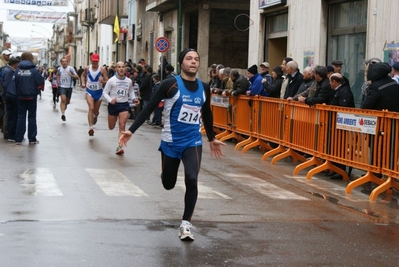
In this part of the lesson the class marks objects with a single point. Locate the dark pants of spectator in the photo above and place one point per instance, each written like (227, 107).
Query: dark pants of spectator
(26, 106)
(157, 118)
(12, 115)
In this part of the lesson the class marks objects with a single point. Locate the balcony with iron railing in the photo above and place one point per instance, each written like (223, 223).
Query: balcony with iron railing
(107, 11)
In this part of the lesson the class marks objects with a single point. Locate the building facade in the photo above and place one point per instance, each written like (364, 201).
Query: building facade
(240, 33)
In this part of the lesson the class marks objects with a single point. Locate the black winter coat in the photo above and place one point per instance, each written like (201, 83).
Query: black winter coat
(383, 93)
(274, 89)
(323, 93)
(293, 85)
(343, 97)
(146, 87)
(240, 86)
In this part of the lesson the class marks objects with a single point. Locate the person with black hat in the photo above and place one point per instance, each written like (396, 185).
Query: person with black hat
(337, 65)
(169, 69)
(395, 72)
(186, 102)
(10, 96)
(330, 70)
(382, 92)
(256, 87)
(275, 88)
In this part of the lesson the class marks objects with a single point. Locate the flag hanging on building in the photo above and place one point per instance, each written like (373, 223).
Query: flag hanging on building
(116, 28)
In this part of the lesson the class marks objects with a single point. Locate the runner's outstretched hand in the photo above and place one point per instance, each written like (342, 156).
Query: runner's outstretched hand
(124, 138)
(216, 150)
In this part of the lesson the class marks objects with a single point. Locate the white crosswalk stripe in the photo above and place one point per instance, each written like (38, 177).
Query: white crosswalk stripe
(40, 182)
(114, 183)
(204, 192)
(265, 188)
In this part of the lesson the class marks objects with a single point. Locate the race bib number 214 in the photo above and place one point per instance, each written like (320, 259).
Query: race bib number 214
(189, 114)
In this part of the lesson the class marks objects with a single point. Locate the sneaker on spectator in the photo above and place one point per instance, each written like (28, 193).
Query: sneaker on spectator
(18, 143)
(11, 140)
(34, 142)
(91, 132)
(184, 232)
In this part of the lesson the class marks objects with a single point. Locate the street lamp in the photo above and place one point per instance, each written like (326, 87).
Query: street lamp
(40, 34)
(35, 25)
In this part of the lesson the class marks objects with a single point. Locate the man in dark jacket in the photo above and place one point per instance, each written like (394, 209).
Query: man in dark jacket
(240, 83)
(295, 79)
(383, 92)
(28, 82)
(323, 89)
(146, 86)
(342, 96)
(10, 97)
(169, 69)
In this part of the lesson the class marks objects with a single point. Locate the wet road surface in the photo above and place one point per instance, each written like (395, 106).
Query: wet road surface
(70, 201)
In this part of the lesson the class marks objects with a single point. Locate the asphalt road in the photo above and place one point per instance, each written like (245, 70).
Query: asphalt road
(70, 201)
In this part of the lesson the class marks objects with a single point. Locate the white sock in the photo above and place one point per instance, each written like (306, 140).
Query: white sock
(184, 222)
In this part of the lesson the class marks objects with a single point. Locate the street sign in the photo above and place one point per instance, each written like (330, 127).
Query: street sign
(162, 44)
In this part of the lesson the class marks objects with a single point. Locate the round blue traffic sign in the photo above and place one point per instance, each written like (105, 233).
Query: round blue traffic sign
(162, 44)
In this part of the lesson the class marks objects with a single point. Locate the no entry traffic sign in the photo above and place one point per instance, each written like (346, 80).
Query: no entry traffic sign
(162, 44)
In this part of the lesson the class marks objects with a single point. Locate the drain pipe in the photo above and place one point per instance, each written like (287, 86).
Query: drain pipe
(179, 33)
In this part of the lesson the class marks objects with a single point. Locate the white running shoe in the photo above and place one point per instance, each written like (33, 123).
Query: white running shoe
(119, 150)
(185, 233)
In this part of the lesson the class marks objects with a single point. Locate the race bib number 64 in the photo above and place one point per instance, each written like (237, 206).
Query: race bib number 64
(189, 114)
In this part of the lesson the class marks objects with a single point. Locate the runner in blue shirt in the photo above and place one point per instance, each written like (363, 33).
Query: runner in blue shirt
(186, 102)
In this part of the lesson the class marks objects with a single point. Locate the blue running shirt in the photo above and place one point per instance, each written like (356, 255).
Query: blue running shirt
(182, 116)
(92, 81)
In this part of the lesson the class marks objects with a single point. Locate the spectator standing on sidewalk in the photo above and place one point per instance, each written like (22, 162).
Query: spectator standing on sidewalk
(28, 82)
(9, 95)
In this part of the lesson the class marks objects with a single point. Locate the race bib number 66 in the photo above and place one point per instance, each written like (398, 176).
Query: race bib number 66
(189, 114)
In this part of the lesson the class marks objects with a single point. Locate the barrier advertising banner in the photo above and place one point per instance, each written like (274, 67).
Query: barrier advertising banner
(220, 101)
(36, 16)
(357, 123)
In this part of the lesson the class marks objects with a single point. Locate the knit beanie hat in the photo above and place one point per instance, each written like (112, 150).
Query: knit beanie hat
(253, 69)
(184, 53)
(169, 68)
(278, 70)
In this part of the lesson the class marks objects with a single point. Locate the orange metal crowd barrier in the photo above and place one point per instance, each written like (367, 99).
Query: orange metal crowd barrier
(389, 154)
(329, 135)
